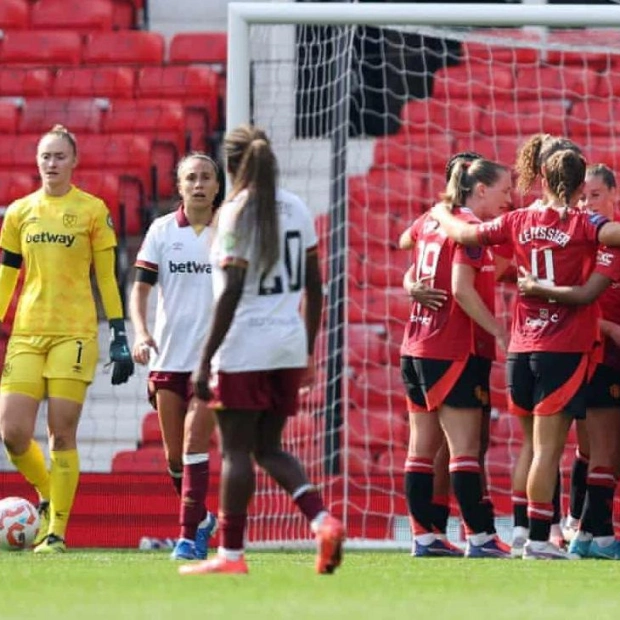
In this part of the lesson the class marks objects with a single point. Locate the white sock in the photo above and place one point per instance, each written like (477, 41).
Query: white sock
(479, 539)
(315, 524)
(520, 532)
(230, 554)
(604, 541)
(584, 536)
(425, 539)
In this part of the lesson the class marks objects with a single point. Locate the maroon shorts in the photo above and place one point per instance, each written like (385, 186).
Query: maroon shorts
(177, 382)
(273, 391)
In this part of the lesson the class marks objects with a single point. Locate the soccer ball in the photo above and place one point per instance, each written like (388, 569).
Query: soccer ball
(19, 523)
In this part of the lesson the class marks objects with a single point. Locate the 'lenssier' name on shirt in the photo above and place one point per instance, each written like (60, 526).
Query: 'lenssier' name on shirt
(544, 233)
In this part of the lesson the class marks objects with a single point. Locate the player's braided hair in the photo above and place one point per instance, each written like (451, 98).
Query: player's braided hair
(533, 155)
(252, 165)
(465, 176)
(604, 172)
(565, 172)
(62, 132)
(465, 156)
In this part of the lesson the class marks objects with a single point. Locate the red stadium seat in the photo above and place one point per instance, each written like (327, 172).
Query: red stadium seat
(379, 389)
(163, 122)
(112, 82)
(499, 148)
(196, 87)
(376, 429)
(151, 432)
(78, 115)
(76, 15)
(9, 113)
(199, 47)
(388, 273)
(506, 430)
(366, 347)
(556, 82)
(474, 82)
(41, 47)
(391, 461)
(129, 158)
(24, 82)
(147, 460)
(368, 227)
(576, 38)
(104, 186)
(371, 305)
(594, 118)
(125, 14)
(495, 52)
(438, 116)
(159, 118)
(399, 192)
(413, 151)
(130, 47)
(603, 150)
(13, 14)
(14, 185)
(524, 117)
(19, 153)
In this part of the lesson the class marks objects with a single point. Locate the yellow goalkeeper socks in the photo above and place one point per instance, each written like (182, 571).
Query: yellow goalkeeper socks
(64, 476)
(31, 464)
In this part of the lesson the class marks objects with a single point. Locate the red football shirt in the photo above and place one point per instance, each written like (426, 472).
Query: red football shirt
(558, 251)
(608, 264)
(484, 343)
(446, 333)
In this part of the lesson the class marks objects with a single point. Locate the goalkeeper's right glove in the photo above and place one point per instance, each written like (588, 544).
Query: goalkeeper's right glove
(120, 355)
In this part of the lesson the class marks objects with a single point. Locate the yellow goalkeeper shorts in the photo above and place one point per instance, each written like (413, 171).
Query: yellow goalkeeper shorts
(32, 361)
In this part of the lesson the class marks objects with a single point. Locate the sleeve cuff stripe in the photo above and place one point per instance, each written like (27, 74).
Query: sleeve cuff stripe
(233, 261)
(142, 264)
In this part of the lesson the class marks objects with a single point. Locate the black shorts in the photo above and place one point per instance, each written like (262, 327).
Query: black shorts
(603, 391)
(430, 383)
(546, 383)
(484, 381)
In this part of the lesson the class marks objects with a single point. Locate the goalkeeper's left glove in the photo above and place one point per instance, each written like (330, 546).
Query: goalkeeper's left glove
(120, 355)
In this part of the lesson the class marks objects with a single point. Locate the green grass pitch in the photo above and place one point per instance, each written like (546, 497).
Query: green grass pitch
(145, 585)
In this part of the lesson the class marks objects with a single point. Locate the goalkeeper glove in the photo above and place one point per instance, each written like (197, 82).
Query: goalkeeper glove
(120, 355)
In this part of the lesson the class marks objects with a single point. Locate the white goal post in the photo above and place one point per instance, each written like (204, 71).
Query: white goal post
(514, 74)
(242, 15)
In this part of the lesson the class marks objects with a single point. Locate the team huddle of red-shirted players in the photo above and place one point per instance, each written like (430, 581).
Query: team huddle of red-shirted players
(562, 355)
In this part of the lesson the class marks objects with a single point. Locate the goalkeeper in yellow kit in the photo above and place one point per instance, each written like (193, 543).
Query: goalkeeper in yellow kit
(56, 234)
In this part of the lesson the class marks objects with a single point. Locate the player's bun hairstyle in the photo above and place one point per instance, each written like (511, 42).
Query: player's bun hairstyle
(219, 173)
(533, 155)
(465, 156)
(466, 175)
(252, 166)
(62, 132)
(565, 172)
(605, 173)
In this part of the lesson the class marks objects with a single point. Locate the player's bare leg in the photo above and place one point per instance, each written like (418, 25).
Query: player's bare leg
(595, 537)
(197, 524)
(520, 473)
(288, 472)
(237, 484)
(550, 433)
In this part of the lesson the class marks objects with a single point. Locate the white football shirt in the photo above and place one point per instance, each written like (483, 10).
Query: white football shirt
(181, 258)
(268, 331)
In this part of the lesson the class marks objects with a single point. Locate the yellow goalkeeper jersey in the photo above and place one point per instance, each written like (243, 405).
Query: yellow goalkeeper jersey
(57, 237)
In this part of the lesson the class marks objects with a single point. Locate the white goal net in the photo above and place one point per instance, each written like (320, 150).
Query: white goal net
(363, 119)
